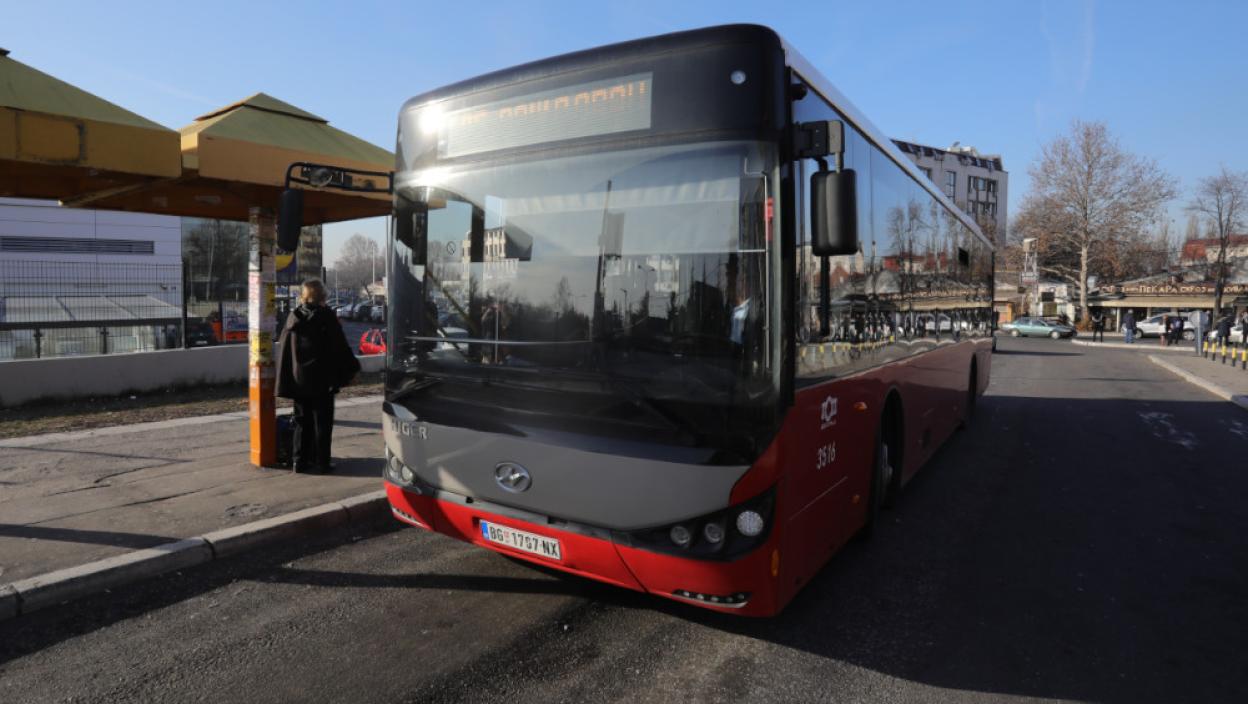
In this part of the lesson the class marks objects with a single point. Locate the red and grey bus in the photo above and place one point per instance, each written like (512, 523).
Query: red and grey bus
(670, 314)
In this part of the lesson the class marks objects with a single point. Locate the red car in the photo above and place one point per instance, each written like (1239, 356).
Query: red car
(373, 341)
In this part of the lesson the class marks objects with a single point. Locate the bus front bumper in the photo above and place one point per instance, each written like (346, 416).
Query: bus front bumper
(745, 586)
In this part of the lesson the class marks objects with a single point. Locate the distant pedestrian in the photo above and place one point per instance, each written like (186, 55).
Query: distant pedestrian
(1128, 327)
(1224, 330)
(1098, 325)
(314, 362)
(1176, 329)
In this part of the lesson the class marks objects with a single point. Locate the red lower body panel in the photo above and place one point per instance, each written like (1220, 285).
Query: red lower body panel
(605, 561)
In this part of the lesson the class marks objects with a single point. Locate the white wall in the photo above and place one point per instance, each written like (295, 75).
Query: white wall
(26, 380)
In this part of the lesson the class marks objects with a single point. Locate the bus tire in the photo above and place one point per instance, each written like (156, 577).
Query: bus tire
(886, 465)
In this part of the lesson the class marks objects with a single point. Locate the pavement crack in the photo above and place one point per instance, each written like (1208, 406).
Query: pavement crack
(141, 502)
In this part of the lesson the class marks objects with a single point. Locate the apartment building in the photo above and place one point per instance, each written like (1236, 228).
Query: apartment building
(976, 182)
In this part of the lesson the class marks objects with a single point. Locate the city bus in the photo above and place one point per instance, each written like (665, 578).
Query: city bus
(707, 320)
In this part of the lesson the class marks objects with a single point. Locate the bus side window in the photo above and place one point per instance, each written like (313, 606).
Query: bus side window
(836, 326)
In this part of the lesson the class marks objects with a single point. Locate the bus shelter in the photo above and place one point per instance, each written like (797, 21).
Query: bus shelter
(60, 142)
(234, 166)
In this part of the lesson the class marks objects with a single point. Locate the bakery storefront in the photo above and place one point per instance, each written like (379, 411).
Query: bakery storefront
(1149, 299)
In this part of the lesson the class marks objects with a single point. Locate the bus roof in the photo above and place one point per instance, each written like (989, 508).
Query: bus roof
(683, 41)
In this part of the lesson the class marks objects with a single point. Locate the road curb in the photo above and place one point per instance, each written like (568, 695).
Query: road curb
(41, 591)
(8, 602)
(53, 588)
(1240, 400)
(1137, 346)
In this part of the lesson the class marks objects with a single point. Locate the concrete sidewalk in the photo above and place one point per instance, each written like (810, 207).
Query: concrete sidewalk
(116, 493)
(1147, 344)
(1218, 378)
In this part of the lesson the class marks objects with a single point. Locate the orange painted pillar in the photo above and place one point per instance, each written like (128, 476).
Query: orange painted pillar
(261, 322)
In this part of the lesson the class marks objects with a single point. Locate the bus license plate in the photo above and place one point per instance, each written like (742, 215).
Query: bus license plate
(520, 540)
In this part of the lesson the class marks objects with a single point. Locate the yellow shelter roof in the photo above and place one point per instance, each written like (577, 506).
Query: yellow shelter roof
(59, 141)
(236, 157)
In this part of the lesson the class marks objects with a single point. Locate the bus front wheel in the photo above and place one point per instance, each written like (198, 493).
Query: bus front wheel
(885, 473)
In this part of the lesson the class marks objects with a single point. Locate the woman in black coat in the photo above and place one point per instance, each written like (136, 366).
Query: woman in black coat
(314, 362)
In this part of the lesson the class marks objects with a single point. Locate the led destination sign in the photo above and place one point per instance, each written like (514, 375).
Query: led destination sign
(584, 110)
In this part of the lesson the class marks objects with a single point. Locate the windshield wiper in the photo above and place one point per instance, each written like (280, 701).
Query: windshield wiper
(493, 341)
(411, 385)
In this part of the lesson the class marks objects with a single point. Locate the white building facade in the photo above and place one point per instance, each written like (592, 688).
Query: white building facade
(78, 281)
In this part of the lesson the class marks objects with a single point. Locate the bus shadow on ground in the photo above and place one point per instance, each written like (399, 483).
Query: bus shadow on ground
(1023, 561)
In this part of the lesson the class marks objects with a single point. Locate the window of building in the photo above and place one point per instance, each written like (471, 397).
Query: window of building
(991, 185)
(926, 172)
(951, 183)
(75, 245)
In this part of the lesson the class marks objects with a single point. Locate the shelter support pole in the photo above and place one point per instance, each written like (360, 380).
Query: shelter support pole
(261, 321)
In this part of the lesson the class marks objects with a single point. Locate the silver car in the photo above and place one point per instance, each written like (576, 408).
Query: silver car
(1237, 334)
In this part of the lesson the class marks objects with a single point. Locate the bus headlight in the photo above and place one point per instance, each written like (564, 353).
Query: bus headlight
(394, 468)
(750, 523)
(399, 473)
(680, 535)
(713, 532)
(711, 536)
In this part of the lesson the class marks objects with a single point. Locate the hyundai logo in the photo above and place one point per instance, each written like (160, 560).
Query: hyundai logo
(512, 477)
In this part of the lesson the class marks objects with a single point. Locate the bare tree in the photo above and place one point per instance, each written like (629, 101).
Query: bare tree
(1091, 204)
(1221, 200)
(357, 263)
(1193, 227)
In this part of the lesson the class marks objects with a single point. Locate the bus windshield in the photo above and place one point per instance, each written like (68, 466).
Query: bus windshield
(647, 267)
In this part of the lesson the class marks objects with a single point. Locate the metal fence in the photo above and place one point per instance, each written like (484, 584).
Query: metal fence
(57, 308)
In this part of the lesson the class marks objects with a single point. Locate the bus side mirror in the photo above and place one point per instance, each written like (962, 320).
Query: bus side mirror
(834, 213)
(290, 219)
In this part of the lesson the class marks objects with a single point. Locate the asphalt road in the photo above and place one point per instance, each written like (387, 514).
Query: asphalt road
(1083, 540)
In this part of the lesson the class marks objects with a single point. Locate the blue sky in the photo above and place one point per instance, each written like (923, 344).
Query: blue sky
(1170, 79)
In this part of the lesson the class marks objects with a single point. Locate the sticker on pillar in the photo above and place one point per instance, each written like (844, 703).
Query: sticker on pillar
(261, 347)
(267, 300)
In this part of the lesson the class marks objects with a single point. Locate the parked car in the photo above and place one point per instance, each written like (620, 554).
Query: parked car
(378, 313)
(1237, 333)
(1037, 327)
(1155, 326)
(373, 341)
(199, 333)
(363, 311)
